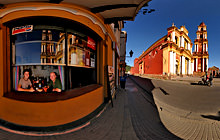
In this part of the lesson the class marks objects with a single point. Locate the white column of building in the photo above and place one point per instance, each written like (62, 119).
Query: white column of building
(171, 62)
(63, 61)
(203, 64)
(183, 65)
(189, 72)
(196, 64)
(182, 41)
(173, 36)
(188, 46)
(207, 64)
(53, 48)
(50, 48)
(174, 62)
(192, 66)
(206, 47)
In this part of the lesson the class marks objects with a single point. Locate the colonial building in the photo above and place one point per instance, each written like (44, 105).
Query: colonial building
(214, 71)
(200, 53)
(172, 54)
(79, 40)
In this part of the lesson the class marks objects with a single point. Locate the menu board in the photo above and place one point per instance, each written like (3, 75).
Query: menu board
(111, 79)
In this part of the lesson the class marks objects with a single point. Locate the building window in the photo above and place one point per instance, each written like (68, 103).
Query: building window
(44, 50)
(82, 60)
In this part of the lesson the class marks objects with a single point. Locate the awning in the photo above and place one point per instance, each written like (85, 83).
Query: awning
(111, 10)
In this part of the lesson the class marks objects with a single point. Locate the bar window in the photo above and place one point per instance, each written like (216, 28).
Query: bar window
(38, 58)
(82, 60)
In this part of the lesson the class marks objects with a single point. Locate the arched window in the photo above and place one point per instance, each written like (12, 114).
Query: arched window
(43, 49)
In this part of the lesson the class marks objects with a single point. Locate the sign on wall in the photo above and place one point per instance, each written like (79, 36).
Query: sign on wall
(22, 29)
(91, 43)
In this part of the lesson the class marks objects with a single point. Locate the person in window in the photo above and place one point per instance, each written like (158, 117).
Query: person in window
(55, 84)
(25, 83)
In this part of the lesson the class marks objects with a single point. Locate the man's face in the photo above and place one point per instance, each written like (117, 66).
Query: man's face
(26, 75)
(52, 76)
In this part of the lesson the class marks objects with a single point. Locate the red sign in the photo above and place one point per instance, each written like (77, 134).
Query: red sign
(22, 29)
(91, 43)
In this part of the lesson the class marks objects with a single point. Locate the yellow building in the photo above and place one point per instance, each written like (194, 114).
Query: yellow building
(23, 28)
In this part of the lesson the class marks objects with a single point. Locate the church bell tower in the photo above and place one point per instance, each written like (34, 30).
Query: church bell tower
(200, 54)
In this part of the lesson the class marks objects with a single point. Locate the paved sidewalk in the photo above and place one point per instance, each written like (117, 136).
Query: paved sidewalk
(134, 116)
(184, 123)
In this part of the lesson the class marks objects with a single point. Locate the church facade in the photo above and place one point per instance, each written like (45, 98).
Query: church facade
(173, 54)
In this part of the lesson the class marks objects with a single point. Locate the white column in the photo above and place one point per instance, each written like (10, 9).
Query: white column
(183, 65)
(182, 41)
(206, 47)
(192, 66)
(189, 63)
(171, 62)
(173, 36)
(196, 64)
(203, 64)
(52, 48)
(63, 60)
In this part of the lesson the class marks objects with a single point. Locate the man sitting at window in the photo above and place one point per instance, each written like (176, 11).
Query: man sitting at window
(55, 83)
(25, 83)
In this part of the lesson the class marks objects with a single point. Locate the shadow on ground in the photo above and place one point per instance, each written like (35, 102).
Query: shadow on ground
(212, 117)
(193, 83)
(145, 118)
(147, 85)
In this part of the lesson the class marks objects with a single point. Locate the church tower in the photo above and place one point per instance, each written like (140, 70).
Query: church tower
(200, 53)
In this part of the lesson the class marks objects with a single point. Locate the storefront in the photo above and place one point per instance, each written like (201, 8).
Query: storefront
(71, 44)
(52, 40)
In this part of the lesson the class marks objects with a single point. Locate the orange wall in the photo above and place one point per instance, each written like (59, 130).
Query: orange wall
(56, 13)
(60, 112)
(1, 64)
(52, 113)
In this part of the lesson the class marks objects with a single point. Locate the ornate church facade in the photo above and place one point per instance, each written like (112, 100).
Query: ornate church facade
(173, 54)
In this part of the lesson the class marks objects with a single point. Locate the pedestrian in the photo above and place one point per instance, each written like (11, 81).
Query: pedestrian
(210, 79)
(122, 81)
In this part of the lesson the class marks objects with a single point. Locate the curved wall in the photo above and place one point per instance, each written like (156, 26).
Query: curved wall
(59, 112)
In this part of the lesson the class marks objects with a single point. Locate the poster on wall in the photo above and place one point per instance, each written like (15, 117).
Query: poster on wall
(111, 79)
(22, 29)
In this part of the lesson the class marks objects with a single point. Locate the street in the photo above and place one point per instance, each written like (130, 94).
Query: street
(149, 109)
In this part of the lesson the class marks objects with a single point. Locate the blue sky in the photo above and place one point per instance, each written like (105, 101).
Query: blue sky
(147, 29)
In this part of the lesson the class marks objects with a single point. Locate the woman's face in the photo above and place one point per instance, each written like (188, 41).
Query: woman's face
(26, 75)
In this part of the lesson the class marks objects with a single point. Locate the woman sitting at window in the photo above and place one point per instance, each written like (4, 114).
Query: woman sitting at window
(25, 83)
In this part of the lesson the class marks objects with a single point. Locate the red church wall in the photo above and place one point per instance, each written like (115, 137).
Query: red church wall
(154, 62)
(136, 66)
(152, 58)
(132, 70)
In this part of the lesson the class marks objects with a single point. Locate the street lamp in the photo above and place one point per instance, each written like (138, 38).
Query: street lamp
(131, 53)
